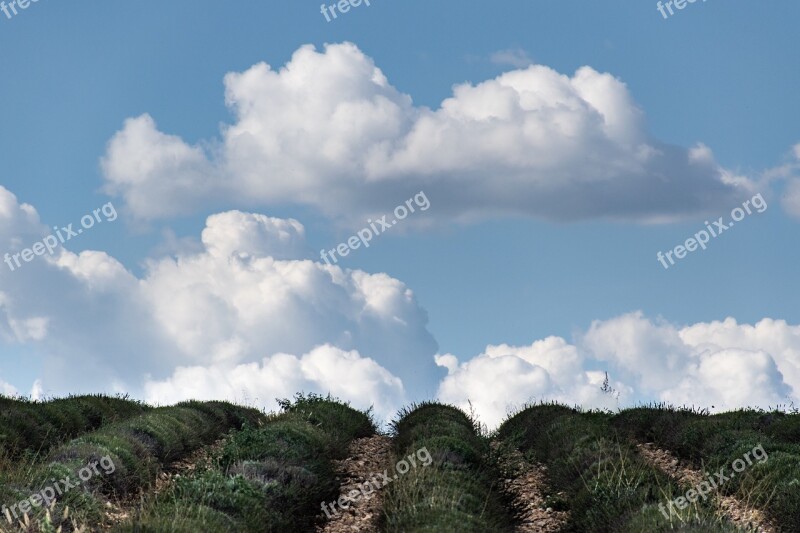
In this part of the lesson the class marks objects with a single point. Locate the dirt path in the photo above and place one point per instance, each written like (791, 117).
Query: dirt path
(731, 508)
(527, 484)
(366, 458)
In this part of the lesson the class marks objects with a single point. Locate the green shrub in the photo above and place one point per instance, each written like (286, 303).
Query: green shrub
(714, 442)
(270, 476)
(176, 516)
(610, 487)
(227, 413)
(139, 448)
(338, 420)
(28, 427)
(292, 439)
(235, 496)
(781, 427)
(458, 491)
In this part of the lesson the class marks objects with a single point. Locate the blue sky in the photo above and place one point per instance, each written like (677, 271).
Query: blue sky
(720, 74)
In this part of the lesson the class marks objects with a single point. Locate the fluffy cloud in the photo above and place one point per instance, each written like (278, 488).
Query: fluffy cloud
(504, 378)
(239, 306)
(245, 316)
(329, 131)
(253, 234)
(218, 307)
(776, 338)
(326, 368)
(721, 364)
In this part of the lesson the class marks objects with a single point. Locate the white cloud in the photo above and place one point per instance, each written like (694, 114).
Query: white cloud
(346, 375)
(733, 378)
(37, 393)
(491, 383)
(243, 315)
(6, 389)
(245, 296)
(774, 337)
(329, 131)
(505, 377)
(254, 235)
(228, 309)
(719, 364)
(627, 341)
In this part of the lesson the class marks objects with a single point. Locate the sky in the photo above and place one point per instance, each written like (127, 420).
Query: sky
(555, 154)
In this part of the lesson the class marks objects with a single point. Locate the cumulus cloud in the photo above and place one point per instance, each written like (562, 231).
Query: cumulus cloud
(504, 378)
(329, 131)
(781, 341)
(254, 235)
(326, 368)
(233, 303)
(244, 315)
(718, 365)
(241, 303)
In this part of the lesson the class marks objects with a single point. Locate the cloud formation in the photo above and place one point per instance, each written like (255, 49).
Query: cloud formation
(245, 317)
(239, 307)
(346, 375)
(724, 365)
(329, 131)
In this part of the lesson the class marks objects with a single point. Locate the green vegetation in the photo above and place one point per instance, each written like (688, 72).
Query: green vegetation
(134, 451)
(609, 486)
(28, 428)
(459, 491)
(715, 442)
(273, 472)
(272, 478)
